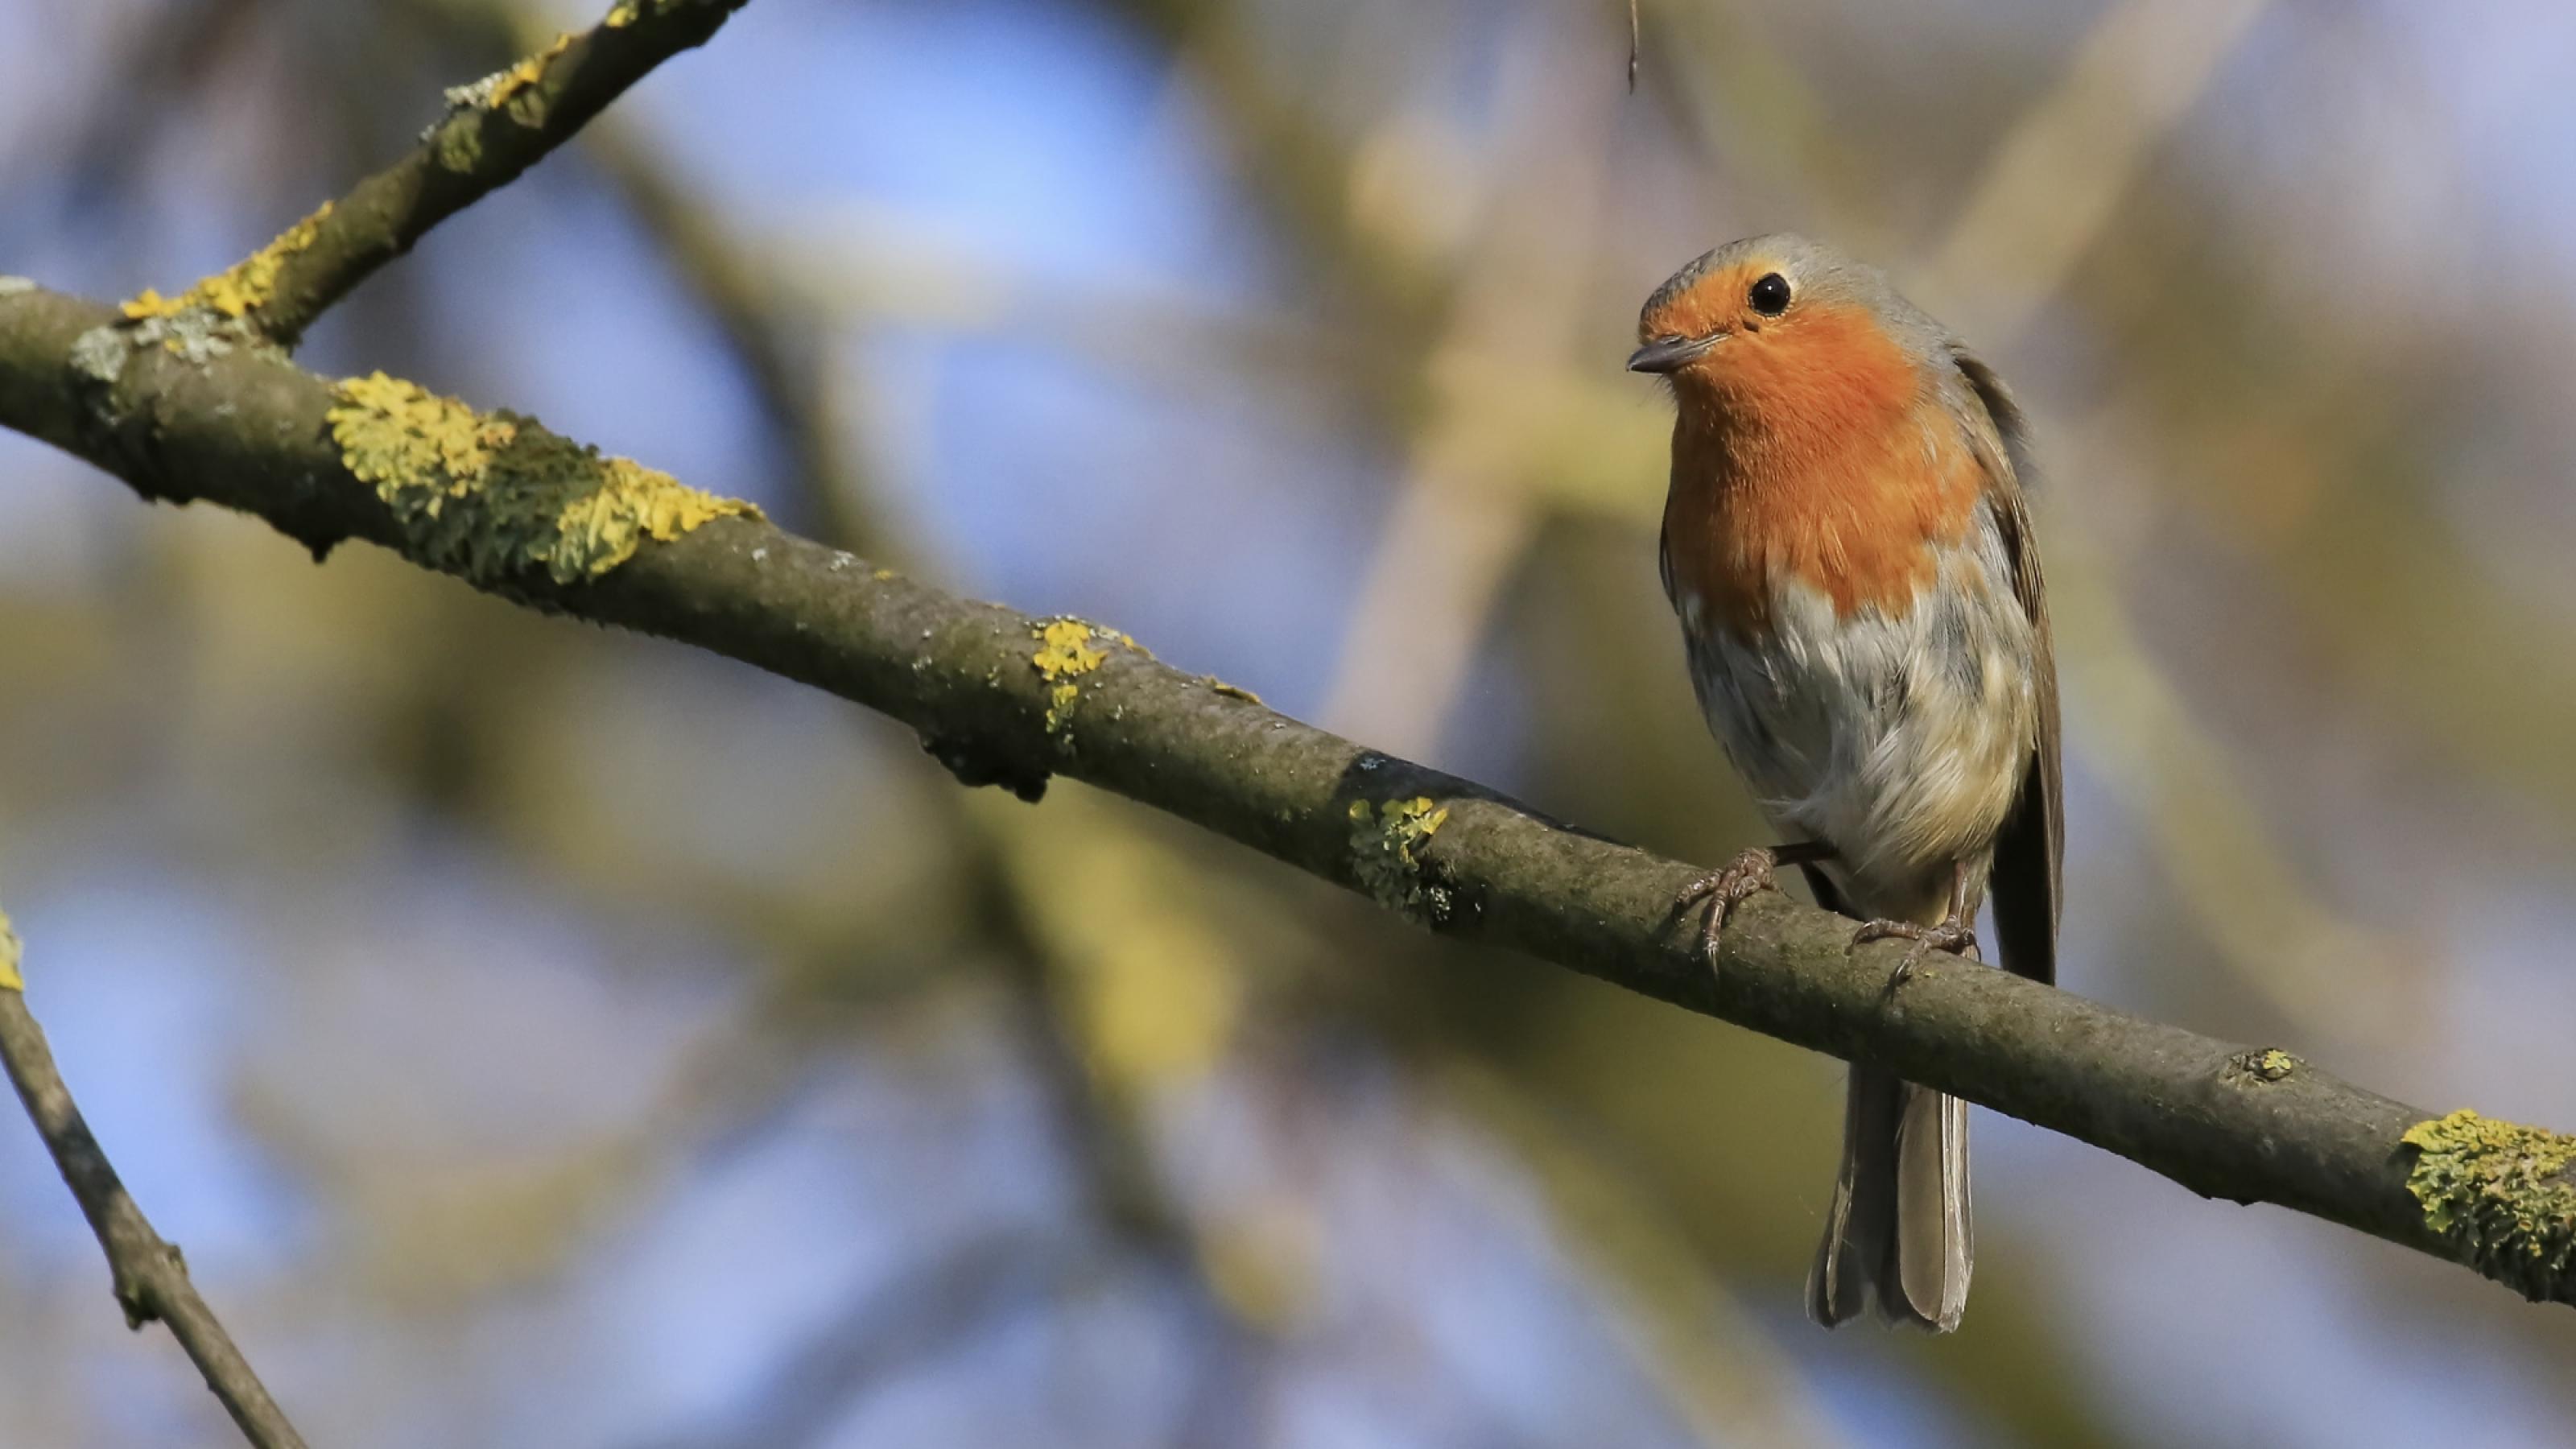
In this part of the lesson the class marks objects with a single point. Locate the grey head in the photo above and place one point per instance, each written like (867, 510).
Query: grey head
(1742, 282)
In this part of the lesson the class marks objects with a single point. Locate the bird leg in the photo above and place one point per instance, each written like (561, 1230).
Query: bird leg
(1956, 933)
(1737, 881)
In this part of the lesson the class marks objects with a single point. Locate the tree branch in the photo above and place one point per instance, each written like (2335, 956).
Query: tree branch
(151, 1278)
(1000, 696)
(493, 130)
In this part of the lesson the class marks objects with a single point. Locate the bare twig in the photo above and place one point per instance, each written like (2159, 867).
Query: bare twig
(151, 1278)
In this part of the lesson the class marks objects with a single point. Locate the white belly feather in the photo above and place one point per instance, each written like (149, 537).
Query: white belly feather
(1901, 741)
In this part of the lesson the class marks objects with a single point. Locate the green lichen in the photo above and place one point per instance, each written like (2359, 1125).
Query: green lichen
(196, 334)
(1386, 841)
(99, 355)
(2502, 1196)
(240, 289)
(12, 286)
(490, 495)
(460, 148)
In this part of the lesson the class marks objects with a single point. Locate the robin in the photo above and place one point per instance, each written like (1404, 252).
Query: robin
(1846, 545)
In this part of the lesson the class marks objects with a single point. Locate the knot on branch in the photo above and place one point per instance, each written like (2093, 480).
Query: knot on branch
(1386, 843)
(976, 765)
(2259, 1068)
(136, 1277)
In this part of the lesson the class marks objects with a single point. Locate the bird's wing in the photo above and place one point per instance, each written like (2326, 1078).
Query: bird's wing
(2030, 851)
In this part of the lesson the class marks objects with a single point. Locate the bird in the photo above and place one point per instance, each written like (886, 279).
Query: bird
(1847, 545)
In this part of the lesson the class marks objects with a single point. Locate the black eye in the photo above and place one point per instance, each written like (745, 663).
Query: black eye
(1770, 295)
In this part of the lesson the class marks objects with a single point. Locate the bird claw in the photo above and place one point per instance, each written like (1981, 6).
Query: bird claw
(1954, 936)
(1723, 889)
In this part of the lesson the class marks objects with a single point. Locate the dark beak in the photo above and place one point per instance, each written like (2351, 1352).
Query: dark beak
(1671, 354)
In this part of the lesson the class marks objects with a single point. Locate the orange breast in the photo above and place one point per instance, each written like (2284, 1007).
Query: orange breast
(1808, 452)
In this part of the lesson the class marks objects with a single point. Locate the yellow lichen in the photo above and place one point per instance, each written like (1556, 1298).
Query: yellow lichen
(2501, 1195)
(1385, 843)
(489, 496)
(525, 74)
(10, 980)
(620, 15)
(1065, 653)
(1231, 691)
(240, 289)
(1064, 649)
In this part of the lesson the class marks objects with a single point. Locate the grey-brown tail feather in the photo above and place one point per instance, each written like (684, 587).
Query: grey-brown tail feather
(1898, 1231)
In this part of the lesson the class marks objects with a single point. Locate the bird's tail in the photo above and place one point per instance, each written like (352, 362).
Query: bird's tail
(1898, 1230)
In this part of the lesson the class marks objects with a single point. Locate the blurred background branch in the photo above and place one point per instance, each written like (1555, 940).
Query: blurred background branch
(1215, 261)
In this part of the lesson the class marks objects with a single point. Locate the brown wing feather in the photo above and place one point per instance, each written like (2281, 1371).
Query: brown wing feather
(2029, 852)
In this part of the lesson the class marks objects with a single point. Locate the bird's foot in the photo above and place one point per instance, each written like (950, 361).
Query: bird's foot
(1738, 881)
(1723, 889)
(1953, 935)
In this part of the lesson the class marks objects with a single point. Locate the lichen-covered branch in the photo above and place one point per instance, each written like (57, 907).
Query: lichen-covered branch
(492, 131)
(1002, 697)
(150, 1277)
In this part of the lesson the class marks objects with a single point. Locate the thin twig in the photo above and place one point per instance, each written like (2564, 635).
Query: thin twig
(151, 1278)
